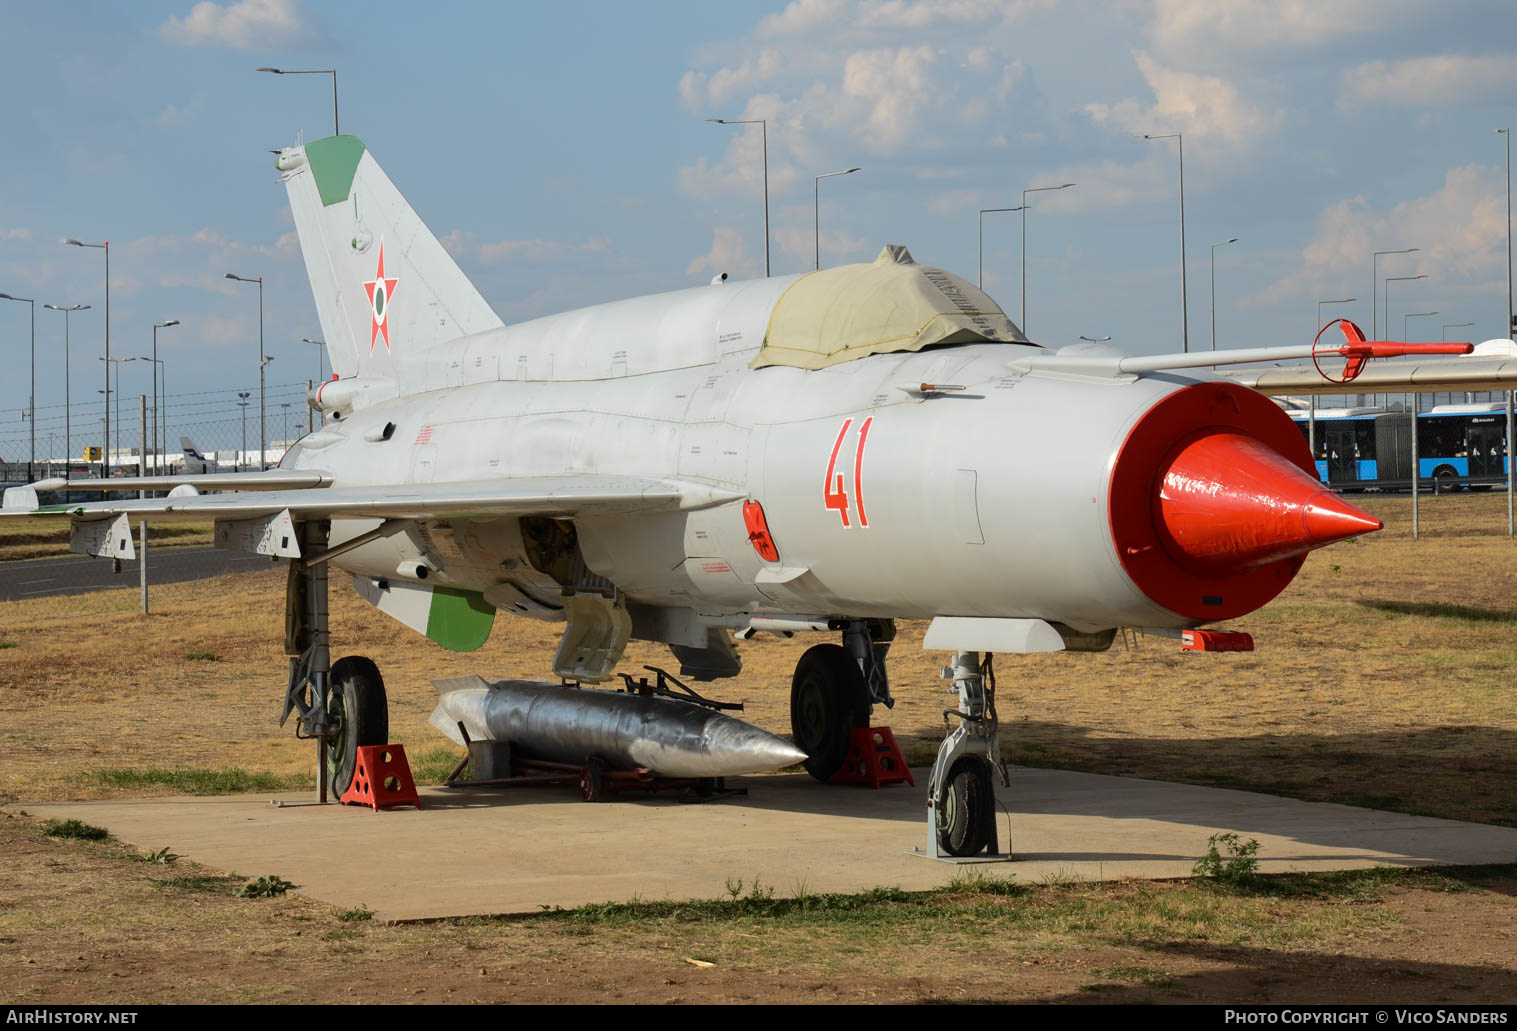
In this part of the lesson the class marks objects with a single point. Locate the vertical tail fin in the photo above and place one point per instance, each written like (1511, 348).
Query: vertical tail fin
(383, 284)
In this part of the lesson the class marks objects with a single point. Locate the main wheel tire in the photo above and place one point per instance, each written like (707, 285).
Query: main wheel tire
(828, 699)
(356, 697)
(961, 814)
(1443, 481)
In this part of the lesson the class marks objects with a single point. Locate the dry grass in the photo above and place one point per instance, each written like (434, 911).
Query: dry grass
(28, 539)
(104, 922)
(1380, 677)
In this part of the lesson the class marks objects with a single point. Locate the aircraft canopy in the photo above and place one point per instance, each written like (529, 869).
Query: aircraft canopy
(889, 304)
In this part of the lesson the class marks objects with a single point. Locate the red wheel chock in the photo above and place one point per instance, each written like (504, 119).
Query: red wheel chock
(381, 779)
(874, 759)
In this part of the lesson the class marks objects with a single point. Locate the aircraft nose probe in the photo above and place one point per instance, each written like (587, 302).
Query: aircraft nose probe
(1227, 503)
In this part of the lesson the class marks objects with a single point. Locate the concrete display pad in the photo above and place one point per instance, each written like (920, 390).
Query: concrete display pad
(520, 850)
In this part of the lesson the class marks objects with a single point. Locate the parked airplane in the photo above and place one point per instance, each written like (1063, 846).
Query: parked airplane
(195, 463)
(821, 452)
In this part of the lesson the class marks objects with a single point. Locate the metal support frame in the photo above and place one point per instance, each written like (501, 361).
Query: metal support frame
(976, 735)
(308, 643)
(868, 641)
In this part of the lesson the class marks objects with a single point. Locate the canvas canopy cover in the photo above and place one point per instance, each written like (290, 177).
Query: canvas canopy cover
(889, 304)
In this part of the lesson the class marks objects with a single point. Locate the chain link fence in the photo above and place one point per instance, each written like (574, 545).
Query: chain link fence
(212, 431)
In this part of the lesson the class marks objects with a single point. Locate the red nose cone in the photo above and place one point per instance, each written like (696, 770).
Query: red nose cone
(1228, 503)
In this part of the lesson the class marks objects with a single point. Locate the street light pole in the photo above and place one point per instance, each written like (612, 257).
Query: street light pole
(314, 71)
(105, 455)
(816, 211)
(31, 472)
(1375, 288)
(1023, 209)
(1214, 247)
(980, 246)
(1388, 281)
(68, 439)
(763, 125)
(156, 327)
(1345, 300)
(262, 361)
(1509, 318)
(1416, 405)
(242, 402)
(1184, 303)
(321, 357)
(1414, 315)
(117, 391)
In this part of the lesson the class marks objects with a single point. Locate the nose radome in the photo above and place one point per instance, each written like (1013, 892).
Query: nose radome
(1227, 503)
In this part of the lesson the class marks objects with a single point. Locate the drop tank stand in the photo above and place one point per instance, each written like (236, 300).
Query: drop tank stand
(961, 802)
(307, 642)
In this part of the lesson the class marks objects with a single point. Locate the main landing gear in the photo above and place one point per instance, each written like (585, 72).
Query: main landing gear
(834, 690)
(340, 706)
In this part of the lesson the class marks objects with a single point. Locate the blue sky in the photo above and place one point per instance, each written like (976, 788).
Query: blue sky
(560, 152)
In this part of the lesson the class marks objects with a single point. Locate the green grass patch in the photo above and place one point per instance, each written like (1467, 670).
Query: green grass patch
(76, 829)
(357, 913)
(434, 765)
(8, 644)
(192, 781)
(1442, 610)
(202, 656)
(1196, 911)
(1151, 977)
(265, 887)
(203, 884)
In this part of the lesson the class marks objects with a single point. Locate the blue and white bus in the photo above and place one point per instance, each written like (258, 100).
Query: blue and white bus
(1458, 446)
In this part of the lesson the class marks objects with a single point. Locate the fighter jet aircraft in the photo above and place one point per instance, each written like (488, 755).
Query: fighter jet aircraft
(825, 452)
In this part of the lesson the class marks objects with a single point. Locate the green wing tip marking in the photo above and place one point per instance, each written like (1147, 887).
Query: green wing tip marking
(460, 621)
(334, 162)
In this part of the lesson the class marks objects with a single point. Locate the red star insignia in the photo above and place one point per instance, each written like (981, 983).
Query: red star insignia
(380, 291)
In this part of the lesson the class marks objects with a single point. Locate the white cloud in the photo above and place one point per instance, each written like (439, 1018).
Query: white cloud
(727, 255)
(1447, 80)
(916, 15)
(243, 25)
(172, 117)
(202, 259)
(952, 202)
(1197, 105)
(702, 92)
(1207, 26)
(883, 101)
(16, 234)
(1106, 184)
(540, 250)
(802, 16)
(457, 243)
(1460, 229)
(802, 243)
(215, 330)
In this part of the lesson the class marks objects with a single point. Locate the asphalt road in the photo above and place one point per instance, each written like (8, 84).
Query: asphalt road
(78, 574)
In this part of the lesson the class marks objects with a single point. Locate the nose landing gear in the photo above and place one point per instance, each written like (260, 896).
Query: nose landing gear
(961, 799)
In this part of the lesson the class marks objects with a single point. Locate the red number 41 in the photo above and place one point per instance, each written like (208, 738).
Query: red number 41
(833, 495)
